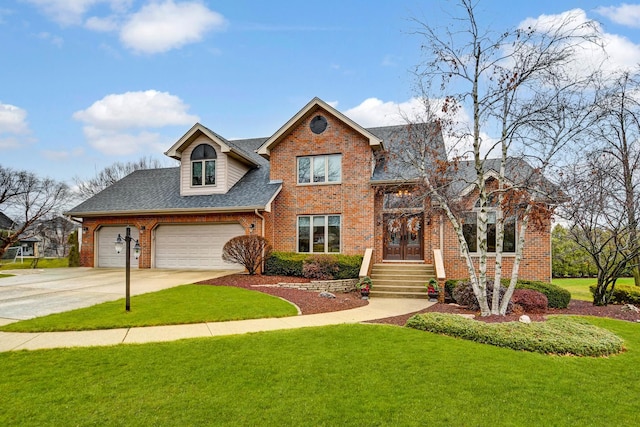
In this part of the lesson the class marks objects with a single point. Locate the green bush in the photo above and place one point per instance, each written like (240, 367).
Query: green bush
(622, 294)
(559, 335)
(74, 253)
(292, 264)
(558, 297)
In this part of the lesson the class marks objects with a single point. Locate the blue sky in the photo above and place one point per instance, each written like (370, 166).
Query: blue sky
(85, 83)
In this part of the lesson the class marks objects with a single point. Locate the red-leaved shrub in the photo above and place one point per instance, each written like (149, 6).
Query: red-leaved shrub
(530, 301)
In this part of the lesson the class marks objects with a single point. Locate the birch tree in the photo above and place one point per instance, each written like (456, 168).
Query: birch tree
(518, 84)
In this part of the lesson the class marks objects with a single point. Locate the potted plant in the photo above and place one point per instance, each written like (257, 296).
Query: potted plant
(364, 285)
(433, 290)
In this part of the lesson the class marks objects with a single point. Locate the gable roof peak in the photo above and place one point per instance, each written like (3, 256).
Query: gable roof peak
(265, 149)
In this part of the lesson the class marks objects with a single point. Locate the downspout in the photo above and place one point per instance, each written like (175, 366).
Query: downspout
(262, 234)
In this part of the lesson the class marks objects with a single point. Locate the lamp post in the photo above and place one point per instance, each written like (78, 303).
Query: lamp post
(120, 243)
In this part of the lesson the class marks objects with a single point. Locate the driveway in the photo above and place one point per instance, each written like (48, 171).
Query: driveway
(34, 293)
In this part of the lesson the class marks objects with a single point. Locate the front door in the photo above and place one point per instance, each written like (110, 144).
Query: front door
(403, 237)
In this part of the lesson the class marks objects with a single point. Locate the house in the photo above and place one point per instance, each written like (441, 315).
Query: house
(321, 184)
(28, 244)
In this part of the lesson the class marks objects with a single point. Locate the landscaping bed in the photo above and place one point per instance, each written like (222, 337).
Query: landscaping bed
(309, 302)
(576, 307)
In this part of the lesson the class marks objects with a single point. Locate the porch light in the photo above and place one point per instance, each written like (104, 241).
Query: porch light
(119, 245)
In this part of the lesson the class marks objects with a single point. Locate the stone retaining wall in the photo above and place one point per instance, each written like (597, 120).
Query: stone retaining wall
(346, 285)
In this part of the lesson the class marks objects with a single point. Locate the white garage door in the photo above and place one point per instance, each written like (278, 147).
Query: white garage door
(197, 247)
(107, 256)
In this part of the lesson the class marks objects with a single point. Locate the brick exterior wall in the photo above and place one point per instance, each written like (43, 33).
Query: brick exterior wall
(353, 198)
(150, 222)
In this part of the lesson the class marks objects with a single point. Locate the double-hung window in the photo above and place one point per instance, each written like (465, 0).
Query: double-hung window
(319, 233)
(471, 232)
(320, 169)
(203, 165)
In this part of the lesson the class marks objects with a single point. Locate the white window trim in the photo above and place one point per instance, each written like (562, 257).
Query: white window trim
(492, 254)
(326, 234)
(203, 161)
(326, 170)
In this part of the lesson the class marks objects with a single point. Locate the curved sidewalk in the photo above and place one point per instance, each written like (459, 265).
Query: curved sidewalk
(378, 308)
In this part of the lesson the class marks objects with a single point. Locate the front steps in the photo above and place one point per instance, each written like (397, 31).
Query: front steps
(396, 280)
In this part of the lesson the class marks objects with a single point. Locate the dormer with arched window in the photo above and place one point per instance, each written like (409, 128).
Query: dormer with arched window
(203, 165)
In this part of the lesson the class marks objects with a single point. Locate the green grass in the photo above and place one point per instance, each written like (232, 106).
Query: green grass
(347, 375)
(179, 305)
(5, 275)
(42, 263)
(579, 287)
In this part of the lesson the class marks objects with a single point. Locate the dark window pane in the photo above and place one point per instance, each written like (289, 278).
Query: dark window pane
(491, 231)
(304, 170)
(318, 169)
(203, 151)
(196, 173)
(470, 231)
(303, 233)
(510, 234)
(210, 172)
(334, 233)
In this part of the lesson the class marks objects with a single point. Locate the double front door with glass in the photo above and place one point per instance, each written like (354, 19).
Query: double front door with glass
(403, 237)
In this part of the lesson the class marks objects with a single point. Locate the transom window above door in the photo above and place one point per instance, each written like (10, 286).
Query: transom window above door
(320, 169)
(203, 165)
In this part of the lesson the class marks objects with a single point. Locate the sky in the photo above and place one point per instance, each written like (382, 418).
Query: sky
(86, 83)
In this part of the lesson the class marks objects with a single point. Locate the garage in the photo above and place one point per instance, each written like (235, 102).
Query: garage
(107, 256)
(197, 247)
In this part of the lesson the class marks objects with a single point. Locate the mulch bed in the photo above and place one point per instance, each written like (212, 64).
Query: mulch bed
(576, 307)
(310, 302)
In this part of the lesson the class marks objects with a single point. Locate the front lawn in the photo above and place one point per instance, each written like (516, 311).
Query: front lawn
(348, 375)
(42, 263)
(179, 305)
(579, 287)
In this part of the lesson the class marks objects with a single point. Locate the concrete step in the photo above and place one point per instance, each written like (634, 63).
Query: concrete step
(385, 294)
(397, 280)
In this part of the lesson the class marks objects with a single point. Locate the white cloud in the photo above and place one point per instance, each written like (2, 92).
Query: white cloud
(159, 27)
(375, 112)
(103, 25)
(71, 12)
(136, 110)
(625, 14)
(13, 120)
(63, 154)
(120, 123)
(619, 52)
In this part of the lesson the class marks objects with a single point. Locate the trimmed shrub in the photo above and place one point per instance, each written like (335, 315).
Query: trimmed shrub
(557, 297)
(248, 251)
(531, 301)
(622, 294)
(449, 286)
(292, 264)
(463, 294)
(559, 335)
(284, 264)
(74, 252)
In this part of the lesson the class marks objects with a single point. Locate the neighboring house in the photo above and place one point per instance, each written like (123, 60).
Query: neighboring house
(320, 184)
(29, 245)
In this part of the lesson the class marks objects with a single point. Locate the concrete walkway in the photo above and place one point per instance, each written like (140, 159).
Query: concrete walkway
(377, 308)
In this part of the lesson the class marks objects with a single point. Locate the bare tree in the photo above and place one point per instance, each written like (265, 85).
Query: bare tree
(111, 174)
(517, 83)
(616, 139)
(598, 223)
(248, 251)
(29, 199)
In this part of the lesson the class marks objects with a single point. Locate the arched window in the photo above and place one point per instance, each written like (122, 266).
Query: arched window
(203, 165)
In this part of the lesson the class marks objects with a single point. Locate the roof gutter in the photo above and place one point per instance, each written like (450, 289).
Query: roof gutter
(166, 211)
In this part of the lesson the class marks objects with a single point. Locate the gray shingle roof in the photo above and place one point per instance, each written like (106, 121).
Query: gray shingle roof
(158, 190)
(6, 223)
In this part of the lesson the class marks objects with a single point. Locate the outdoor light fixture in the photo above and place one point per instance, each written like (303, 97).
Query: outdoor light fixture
(121, 243)
(252, 228)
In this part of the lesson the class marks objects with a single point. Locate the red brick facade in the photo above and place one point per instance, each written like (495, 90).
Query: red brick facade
(355, 199)
(352, 199)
